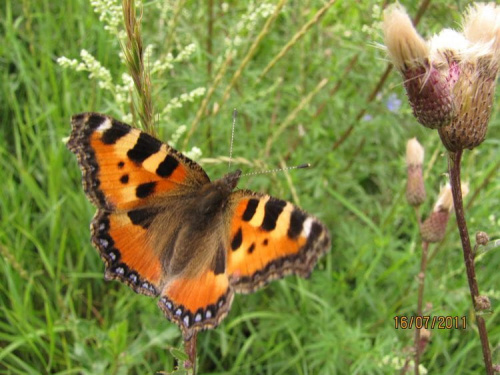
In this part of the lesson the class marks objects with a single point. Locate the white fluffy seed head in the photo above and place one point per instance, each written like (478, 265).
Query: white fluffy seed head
(445, 45)
(482, 23)
(405, 46)
(445, 199)
(481, 26)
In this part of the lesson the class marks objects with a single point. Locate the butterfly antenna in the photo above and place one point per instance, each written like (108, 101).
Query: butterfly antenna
(301, 166)
(235, 113)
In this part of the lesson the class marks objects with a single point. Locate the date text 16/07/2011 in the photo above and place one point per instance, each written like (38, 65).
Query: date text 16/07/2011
(430, 322)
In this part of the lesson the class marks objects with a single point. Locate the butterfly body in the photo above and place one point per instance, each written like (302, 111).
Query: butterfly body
(163, 228)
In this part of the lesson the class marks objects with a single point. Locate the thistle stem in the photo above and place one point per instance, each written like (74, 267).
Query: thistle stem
(420, 302)
(456, 189)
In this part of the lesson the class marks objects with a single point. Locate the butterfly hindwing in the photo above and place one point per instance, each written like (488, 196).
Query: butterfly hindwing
(126, 251)
(123, 166)
(271, 238)
(197, 303)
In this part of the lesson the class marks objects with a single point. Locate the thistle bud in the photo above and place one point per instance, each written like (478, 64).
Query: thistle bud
(433, 228)
(425, 337)
(415, 189)
(482, 238)
(482, 303)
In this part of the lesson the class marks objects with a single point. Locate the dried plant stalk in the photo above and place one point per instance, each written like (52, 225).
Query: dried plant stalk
(134, 58)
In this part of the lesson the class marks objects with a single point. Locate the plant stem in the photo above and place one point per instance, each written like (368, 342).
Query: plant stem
(420, 302)
(456, 189)
(190, 348)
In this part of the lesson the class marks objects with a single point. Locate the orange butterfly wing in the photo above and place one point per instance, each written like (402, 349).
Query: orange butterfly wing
(123, 166)
(197, 303)
(124, 170)
(269, 239)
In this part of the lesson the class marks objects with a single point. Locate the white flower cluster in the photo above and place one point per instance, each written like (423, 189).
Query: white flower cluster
(100, 74)
(148, 53)
(164, 8)
(161, 65)
(373, 30)
(167, 63)
(124, 91)
(249, 21)
(110, 14)
(91, 65)
(177, 135)
(194, 154)
(185, 53)
(97, 71)
(178, 101)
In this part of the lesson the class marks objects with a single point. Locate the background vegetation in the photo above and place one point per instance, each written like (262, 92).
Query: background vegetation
(58, 316)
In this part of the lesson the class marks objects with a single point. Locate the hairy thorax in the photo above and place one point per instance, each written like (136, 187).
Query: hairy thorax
(192, 228)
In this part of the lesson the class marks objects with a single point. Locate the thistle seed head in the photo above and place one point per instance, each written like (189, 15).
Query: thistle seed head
(406, 48)
(475, 89)
(450, 79)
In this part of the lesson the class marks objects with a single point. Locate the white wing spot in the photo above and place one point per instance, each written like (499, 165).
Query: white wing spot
(306, 227)
(105, 125)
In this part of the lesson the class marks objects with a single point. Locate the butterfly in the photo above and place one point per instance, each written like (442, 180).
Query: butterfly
(164, 229)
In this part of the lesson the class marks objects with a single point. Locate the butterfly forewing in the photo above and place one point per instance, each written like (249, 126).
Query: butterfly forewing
(122, 166)
(271, 238)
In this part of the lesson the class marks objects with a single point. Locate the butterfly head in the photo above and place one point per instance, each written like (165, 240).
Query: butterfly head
(230, 180)
(213, 197)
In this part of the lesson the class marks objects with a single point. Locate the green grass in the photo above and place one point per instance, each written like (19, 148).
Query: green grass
(58, 315)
